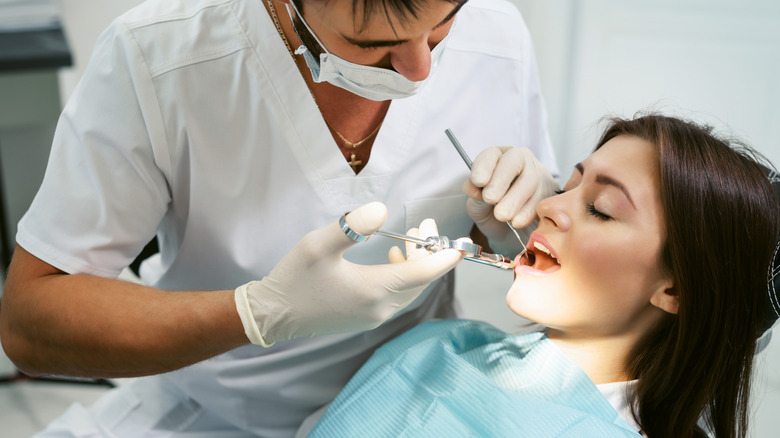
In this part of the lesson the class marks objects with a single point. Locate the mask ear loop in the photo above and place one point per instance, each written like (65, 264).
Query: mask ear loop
(311, 32)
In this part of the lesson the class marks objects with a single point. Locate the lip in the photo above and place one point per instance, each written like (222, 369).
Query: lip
(528, 270)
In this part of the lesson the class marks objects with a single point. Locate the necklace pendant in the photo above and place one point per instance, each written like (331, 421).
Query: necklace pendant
(354, 163)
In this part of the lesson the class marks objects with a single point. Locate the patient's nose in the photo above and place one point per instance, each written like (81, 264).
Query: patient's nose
(553, 210)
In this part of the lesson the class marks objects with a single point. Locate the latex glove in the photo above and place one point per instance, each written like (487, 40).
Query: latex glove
(506, 184)
(313, 290)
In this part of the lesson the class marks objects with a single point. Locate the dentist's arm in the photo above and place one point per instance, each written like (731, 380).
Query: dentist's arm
(80, 325)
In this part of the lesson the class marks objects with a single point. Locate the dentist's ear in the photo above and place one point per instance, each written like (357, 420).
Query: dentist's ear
(667, 300)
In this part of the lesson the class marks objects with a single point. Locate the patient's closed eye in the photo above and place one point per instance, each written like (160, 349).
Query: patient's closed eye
(594, 212)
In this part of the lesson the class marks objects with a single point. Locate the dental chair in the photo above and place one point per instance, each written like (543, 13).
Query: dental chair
(765, 394)
(773, 311)
(149, 250)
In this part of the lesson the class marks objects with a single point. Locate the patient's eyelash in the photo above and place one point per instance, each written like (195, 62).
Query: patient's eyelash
(560, 192)
(592, 211)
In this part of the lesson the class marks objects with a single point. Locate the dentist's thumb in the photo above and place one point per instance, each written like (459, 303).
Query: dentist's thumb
(363, 220)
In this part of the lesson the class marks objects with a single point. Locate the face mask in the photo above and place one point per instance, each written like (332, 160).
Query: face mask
(372, 83)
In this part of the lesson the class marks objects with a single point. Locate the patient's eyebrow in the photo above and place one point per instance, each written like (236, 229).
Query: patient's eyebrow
(608, 181)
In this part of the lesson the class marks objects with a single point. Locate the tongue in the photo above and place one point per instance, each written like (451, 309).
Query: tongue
(545, 263)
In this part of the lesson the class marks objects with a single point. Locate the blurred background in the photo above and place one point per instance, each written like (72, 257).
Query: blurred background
(715, 61)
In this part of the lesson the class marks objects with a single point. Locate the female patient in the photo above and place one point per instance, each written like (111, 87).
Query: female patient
(648, 276)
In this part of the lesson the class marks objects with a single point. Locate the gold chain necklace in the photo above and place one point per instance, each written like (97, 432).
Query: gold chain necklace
(350, 144)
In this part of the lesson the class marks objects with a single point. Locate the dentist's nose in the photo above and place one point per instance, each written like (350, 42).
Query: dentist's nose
(553, 210)
(412, 59)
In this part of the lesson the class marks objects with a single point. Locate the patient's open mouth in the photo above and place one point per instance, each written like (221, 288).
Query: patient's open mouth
(543, 258)
(539, 259)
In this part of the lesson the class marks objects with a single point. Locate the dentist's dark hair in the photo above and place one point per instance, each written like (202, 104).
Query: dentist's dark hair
(721, 218)
(370, 9)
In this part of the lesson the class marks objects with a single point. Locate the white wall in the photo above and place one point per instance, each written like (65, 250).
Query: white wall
(717, 61)
(84, 20)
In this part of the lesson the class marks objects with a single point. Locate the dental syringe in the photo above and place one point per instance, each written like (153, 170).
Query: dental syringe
(437, 243)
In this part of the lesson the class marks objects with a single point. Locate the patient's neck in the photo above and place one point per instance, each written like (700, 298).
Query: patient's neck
(602, 359)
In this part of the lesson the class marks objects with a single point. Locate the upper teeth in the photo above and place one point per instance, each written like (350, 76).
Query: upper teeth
(543, 248)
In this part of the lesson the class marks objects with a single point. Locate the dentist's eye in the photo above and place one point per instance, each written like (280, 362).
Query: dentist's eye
(599, 215)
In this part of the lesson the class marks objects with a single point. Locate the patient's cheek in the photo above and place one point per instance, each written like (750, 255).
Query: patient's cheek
(620, 271)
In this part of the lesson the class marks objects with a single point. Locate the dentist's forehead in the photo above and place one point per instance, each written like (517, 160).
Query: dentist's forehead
(397, 15)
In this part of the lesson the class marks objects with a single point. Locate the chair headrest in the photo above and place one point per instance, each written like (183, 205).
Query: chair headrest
(773, 312)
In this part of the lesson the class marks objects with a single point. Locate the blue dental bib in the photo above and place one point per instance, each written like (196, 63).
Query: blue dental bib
(459, 378)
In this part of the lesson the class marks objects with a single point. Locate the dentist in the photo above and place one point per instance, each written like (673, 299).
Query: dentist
(236, 133)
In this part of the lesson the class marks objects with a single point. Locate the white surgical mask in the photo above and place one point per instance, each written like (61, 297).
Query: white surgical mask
(372, 83)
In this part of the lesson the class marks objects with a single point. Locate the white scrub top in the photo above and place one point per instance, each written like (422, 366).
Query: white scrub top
(192, 123)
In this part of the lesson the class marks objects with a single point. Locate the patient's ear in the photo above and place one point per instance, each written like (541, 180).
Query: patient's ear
(666, 299)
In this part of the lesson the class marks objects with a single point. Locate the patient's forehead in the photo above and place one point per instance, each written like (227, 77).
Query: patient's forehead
(632, 163)
(627, 157)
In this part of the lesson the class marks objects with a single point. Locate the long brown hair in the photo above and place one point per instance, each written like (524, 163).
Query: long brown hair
(721, 217)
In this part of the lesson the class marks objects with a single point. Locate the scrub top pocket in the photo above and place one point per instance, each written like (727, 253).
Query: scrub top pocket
(449, 213)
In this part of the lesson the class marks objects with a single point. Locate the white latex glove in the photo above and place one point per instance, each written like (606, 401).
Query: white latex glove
(313, 290)
(506, 184)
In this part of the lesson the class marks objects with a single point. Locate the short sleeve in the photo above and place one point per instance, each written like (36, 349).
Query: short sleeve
(105, 189)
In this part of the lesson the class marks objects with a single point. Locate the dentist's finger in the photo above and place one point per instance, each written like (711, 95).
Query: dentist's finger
(484, 165)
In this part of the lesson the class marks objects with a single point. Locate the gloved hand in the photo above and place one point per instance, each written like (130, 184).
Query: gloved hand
(506, 184)
(313, 290)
